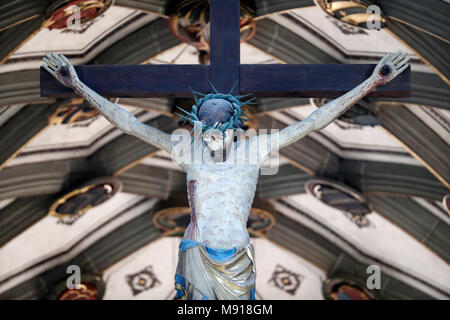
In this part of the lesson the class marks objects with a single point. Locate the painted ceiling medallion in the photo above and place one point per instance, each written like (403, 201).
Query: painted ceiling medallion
(353, 12)
(85, 292)
(174, 220)
(286, 280)
(446, 202)
(142, 281)
(189, 21)
(62, 10)
(91, 287)
(77, 202)
(345, 289)
(341, 197)
(75, 110)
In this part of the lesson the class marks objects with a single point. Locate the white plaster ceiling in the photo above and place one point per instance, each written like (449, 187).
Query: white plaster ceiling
(351, 141)
(50, 242)
(80, 139)
(160, 258)
(114, 24)
(356, 46)
(381, 239)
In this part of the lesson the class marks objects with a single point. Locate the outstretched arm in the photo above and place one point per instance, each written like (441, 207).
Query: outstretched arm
(387, 69)
(60, 67)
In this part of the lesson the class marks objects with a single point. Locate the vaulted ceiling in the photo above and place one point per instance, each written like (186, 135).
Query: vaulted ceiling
(389, 156)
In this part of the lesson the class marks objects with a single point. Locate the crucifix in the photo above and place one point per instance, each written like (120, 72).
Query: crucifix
(216, 259)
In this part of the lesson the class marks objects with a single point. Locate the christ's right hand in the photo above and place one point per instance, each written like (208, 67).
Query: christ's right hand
(61, 68)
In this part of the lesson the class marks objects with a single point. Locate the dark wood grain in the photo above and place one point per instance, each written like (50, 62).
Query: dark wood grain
(318, 81)
(134, 81)
(225, 44)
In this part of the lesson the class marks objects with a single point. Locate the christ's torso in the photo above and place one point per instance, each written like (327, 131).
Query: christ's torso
(220, 197)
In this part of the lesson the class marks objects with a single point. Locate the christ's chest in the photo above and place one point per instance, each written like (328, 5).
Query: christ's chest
(223, 173)
(227, 183)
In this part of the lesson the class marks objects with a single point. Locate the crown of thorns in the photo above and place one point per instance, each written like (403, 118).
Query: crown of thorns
(232, 123)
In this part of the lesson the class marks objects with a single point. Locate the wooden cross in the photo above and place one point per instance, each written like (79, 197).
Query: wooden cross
(276, 80)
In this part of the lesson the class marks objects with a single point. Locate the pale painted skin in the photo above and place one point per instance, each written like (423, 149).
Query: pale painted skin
(221, 192)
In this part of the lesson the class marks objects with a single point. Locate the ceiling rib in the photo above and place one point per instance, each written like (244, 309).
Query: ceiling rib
(420, 140)
(105, 252)
(391, 179)
(24, 126)
(324, 253)
(425, 227)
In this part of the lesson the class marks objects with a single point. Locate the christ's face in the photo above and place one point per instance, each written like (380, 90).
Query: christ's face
(214, 139)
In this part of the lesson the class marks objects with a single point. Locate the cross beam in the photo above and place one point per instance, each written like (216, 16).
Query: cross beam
(276, 80)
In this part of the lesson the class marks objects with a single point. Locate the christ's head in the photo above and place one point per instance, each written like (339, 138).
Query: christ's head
(214, 113)
(220, 115)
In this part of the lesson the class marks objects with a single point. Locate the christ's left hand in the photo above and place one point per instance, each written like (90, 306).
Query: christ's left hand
(390, 67)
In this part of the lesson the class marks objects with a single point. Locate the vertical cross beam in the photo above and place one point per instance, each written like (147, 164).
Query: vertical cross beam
(225, 44)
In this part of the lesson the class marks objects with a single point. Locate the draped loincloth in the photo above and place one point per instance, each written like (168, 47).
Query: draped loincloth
(204, 273)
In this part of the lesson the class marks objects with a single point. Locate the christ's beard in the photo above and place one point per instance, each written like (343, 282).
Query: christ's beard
(215, 142)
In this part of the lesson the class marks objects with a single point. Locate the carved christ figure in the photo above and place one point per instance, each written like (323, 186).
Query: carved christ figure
(216, 259)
